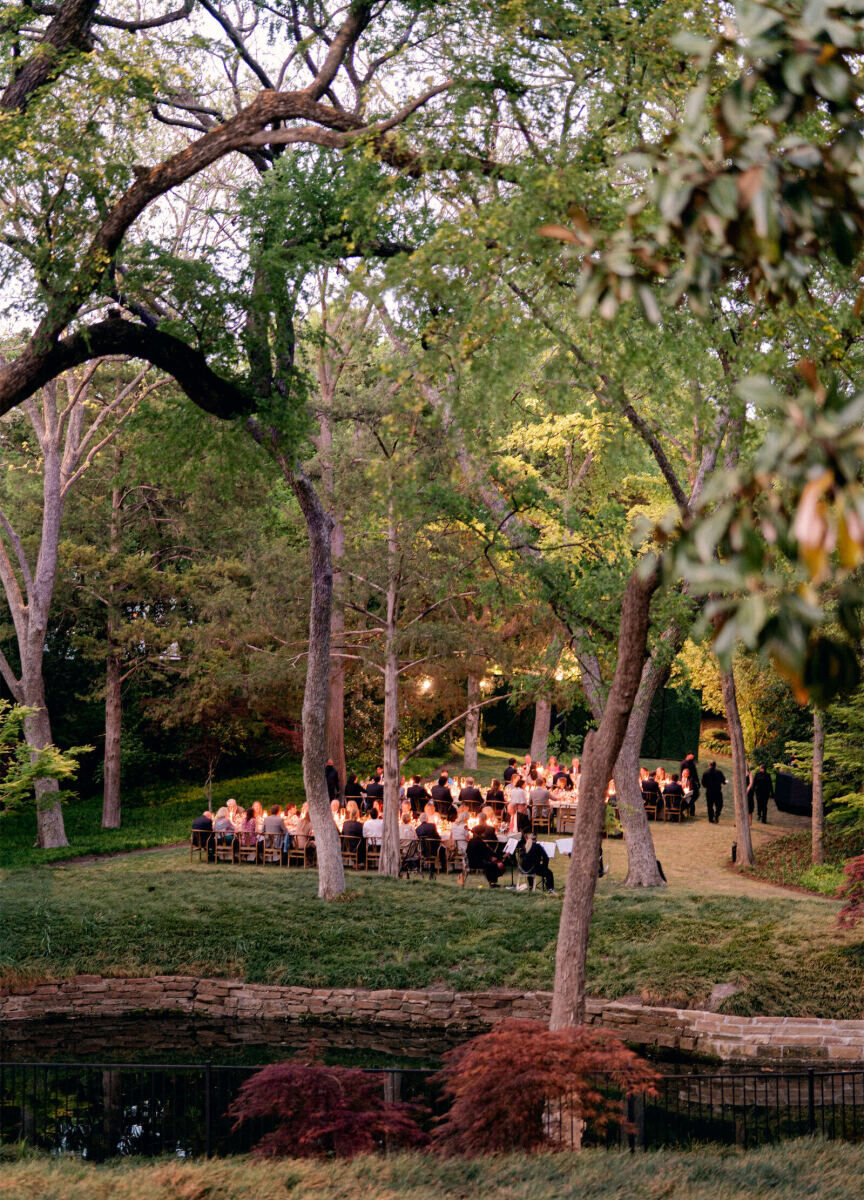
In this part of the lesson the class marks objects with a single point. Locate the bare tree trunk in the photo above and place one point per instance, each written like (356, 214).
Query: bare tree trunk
(472, 725)
(113, 681)
(336, 687)
(744, 856)
(388, 863)
(542, 725)
(50, 831)
(818, 818)
(113, 726)
(641, 855)
(598, 760)
(331, 874)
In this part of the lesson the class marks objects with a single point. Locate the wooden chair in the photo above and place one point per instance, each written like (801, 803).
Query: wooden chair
(541, 818)
(566, 818)
(297, 856)
(672, 806)
(224, 847)
(373, 855)
(431, 857)
(350, 851)
(649, 799)
(249, 852)
(200, 842)
(409, 857)
(273, 848)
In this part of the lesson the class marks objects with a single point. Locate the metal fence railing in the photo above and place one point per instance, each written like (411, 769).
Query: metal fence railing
(102, 1110)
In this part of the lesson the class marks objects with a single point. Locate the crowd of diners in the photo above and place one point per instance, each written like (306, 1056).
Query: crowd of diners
(452, 821)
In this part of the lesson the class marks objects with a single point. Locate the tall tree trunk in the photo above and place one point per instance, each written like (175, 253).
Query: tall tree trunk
(331, 874)
(336, 686)
(472, 725)
(818, 819)
(542, 725)
(113, 681)
(113, 726)
(641, 856)
(50, 831)
(598, 760)
(388, 863)
(744, 856)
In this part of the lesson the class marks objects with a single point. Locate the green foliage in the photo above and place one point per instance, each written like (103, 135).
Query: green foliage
(824, 878)
(20, 766)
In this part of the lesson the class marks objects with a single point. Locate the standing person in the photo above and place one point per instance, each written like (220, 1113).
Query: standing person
(510, 770)
(689, 764)
(713, 781)
(763, 790)
(690, 786)
(332, 777)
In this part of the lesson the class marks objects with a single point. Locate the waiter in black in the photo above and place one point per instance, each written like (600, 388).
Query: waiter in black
(713, 781)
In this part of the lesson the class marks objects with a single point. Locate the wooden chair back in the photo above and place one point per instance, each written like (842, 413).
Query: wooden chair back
(273, 848)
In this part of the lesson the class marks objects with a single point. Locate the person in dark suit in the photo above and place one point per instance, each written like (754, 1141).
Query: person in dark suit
(479, 855)
(353, 788)
(562, 780)
(518, 820)
(689, 764)
(443, 799)
(202, 834)
(651, 792)
(374, 790)
(352, 827)
(673, 794)
(533, 860)
(510, 770)
(471, 796)
(713, 781)
(417, 794)
(430, 839)
(763, 790)
(332, 777)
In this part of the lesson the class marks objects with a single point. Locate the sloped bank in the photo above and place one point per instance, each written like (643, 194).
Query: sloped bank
(734, 1039)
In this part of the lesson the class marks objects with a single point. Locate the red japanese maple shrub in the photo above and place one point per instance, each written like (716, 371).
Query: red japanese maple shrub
(853, 893)
(524, 1087)
(324, 1111)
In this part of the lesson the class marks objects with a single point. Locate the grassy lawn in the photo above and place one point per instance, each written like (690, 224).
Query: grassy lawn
(156, 914)
(831, 1171)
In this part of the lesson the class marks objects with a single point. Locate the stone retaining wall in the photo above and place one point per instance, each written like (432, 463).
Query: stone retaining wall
(691, 1031)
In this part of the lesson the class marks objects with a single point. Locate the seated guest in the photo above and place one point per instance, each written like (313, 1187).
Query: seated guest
(337, 813)
(551, 766)
(258, 810)
(235, 812)
(517, 791)
(374, 790)
(332, 777)
(540, 796)
(651, 790)
(352, 827)
(471, 796)
(249, 834)
(223, 822)
(510, 770)
(405, 807)
(481, 858)
(690, 790)
(484, 830)
(562, 781)
(429, 837)
(407, 833)
(459, 830)
(533, 860)
(495, 795)
(417, 794)
(274, 824)
(353, 790)
(373, 827)
(518, 820)
(442, 797)
(202, 834)
(673, 794)
(303, 832)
